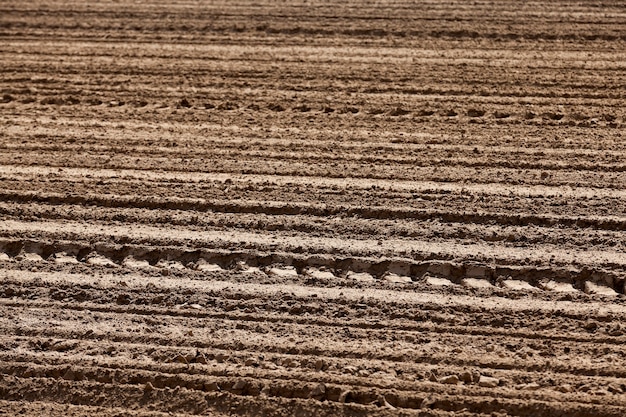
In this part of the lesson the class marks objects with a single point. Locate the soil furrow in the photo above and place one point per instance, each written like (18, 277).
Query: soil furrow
(313, 209)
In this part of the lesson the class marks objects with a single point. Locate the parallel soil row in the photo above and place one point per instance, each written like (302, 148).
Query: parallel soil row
(313, 209)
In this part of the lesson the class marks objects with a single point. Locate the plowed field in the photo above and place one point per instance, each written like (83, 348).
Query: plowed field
(312, 208)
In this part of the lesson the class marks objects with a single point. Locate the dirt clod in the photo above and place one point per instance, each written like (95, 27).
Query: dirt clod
(488, 382)
(449, 379)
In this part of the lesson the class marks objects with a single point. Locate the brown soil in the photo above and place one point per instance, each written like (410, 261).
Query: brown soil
(312, 208)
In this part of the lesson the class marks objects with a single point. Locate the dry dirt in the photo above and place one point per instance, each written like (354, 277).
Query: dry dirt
(312, 208)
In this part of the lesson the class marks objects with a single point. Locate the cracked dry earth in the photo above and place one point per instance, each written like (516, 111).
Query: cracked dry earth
(314, 209)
